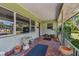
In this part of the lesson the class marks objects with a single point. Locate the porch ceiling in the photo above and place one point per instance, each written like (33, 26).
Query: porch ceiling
(44, 11)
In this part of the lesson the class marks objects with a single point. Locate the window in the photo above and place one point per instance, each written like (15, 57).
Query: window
(6, 22)
(50, 26)
(22, 24)
(32, 26)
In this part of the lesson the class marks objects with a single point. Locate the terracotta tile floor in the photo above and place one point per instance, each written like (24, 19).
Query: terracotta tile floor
(52, 46)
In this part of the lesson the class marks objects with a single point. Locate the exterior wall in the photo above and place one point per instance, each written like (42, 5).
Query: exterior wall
(44, 29)
(7, 43)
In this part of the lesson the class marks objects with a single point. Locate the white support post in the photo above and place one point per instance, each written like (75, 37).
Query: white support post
(30, 24)
(62, 27)
(14, 29)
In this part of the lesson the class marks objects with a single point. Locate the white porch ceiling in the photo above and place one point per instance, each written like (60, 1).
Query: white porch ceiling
(44, 11)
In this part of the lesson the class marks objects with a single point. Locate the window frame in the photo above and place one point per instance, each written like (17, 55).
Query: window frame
(14, 26)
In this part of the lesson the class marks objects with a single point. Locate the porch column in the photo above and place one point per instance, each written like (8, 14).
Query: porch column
(14, 29)
(62, 35)
(30, 25)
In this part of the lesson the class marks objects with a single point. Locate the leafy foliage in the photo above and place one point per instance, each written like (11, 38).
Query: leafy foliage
(75, 42)
(70, 26)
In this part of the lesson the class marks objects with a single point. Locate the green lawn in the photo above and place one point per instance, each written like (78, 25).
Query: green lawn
(75, 35)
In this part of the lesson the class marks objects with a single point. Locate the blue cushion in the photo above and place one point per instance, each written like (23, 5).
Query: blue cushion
(38, 50)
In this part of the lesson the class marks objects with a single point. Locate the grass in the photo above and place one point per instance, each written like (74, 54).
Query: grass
(75, 35)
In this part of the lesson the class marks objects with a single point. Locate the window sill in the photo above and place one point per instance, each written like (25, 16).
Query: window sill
(11, 35)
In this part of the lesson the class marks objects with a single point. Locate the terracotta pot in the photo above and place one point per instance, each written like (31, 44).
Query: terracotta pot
(65, 50)
(17, 49)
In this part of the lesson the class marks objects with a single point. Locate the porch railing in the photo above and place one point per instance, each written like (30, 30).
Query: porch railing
(75, 49)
